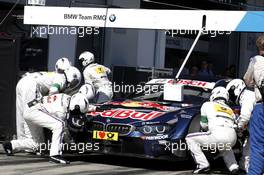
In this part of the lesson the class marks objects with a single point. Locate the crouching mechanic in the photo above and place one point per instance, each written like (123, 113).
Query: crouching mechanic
(51, 113)
(246, 99)
(97, 76)
(218, 119)
(34, 85)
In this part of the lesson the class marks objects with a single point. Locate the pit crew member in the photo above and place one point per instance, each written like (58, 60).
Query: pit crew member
(34, 85)
(97, 76)
(255, 77)
(218, 119)
(51, 113)
(62, 64)
(239, 95)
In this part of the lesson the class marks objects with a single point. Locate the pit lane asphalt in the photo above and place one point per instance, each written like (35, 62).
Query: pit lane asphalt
(94, 164)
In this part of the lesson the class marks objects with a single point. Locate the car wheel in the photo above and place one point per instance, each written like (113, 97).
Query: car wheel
(195, 124)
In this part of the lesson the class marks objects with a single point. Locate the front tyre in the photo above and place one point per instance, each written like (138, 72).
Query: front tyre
(195, 124)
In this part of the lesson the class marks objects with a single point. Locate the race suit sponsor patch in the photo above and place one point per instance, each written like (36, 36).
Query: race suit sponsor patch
(227, 111)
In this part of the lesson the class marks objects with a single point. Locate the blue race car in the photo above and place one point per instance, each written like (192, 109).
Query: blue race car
(151, 123)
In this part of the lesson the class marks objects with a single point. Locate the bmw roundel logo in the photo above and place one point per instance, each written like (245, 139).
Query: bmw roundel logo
(108, 120)
(112, 18)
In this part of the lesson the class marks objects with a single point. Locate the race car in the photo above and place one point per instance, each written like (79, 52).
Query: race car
(151, 123)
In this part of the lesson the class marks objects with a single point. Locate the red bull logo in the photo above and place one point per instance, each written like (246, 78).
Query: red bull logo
(124, 114)
(141, 104)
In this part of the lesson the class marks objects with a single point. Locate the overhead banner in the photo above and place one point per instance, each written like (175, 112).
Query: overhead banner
(64, 16)
(241, 21)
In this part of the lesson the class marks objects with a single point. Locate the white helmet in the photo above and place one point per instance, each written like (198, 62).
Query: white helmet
(87, 90)
(79, 103)
(219, 93)
(86, 58)
(234, 88)
(62, 64)
(73, 76)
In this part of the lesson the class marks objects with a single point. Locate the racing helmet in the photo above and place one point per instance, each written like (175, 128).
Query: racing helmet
(73, 77)
(222, 83)
(62, 64)
(235, 88)
(78, 104)
(219, 93)
(86, 58)
(87, 90)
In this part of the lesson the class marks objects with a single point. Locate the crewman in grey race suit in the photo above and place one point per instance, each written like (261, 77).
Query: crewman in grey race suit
(219, 120)
(97, 76)
(254, 75)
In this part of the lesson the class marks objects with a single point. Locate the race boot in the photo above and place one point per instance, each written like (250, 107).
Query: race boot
(58, 159)
(199, 170)
(8, 148)
(235, 171)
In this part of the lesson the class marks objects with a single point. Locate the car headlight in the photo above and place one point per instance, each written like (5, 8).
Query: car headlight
(154, 129)
(147, 129)
(160, 129)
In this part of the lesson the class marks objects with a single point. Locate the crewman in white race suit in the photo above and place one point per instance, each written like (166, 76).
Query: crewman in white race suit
(34, 85)
(219, 120)
(51, 113)
(97, 76)
(239, 95)
(62, 64)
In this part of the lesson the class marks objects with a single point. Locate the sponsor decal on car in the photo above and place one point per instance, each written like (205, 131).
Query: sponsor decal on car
(158, 137)
(124, 114)
(186, 116)
(195, 83)
(102, 135)
(145, 104)
(160, 81)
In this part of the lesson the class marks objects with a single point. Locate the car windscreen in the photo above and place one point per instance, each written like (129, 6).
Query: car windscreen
(191, 94)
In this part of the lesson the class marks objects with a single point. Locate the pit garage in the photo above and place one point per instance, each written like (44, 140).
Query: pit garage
(31, 42)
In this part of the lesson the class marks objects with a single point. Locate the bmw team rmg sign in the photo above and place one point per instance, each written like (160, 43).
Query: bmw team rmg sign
(240, 21)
